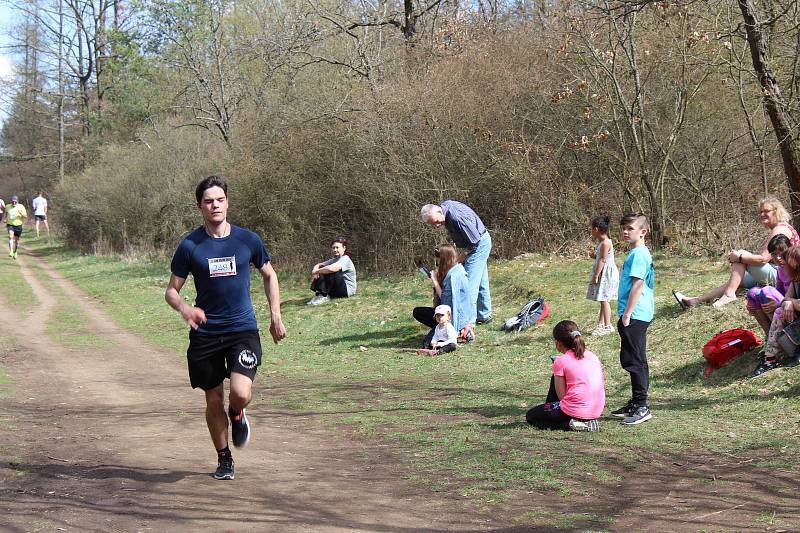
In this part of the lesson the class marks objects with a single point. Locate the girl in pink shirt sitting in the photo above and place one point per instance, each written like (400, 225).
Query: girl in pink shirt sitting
(577, 388)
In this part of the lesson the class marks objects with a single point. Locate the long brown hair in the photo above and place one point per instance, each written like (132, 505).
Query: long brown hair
(566, 332)
(447, 260)
(791, 258)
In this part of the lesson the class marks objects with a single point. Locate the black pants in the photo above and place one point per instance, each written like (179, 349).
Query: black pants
(447, 348)
(633, 358)
(424, 315)
(544, 416)
(332, 285)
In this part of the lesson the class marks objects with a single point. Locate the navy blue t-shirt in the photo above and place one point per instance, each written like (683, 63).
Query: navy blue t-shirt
(221, 272)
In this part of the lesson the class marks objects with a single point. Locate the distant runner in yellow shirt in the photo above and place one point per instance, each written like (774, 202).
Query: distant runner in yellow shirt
(15, 218)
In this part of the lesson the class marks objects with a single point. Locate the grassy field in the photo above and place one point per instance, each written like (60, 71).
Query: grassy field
(458, 420)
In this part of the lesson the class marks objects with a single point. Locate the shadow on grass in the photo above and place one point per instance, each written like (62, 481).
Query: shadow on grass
(297, 302)
(490, 411)
(668, 311)
(50, 250)
(400, 337)
(736, 370)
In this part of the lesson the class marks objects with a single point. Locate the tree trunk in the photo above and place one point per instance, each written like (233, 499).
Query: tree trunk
(410, 22)
(61, 91)
(773, 103)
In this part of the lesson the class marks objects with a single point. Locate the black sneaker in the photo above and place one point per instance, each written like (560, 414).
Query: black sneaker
(763, 366)
(224, 468)
(624, 411)
(240, 429)
(793, 361)
(483, 320)
(639, 414)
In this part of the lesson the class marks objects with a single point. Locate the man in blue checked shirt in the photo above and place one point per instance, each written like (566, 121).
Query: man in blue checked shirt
(467, 231)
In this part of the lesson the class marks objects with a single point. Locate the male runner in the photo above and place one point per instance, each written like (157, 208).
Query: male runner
(15, 218)
(223, 339)
(40, 212)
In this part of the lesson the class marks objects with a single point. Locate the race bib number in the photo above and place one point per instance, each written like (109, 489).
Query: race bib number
(221, 266)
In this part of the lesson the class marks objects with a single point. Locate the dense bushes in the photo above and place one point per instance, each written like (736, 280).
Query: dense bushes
(498, 123)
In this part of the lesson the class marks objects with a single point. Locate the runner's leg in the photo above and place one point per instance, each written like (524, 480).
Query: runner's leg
(241, 392)
(216, 418)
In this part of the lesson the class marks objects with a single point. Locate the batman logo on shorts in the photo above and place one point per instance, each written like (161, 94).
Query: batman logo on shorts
(247, 359)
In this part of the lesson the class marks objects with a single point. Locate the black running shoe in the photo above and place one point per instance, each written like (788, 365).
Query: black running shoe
(224, 468)
(624, 411)
(481, 321)
(240, 428)
(763, 367)
(639, 414)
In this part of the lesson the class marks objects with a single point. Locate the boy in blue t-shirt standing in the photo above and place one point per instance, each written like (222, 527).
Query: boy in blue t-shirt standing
(635, 308)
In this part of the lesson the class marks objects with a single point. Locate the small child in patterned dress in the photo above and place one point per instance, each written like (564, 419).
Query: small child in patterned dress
(604, 281)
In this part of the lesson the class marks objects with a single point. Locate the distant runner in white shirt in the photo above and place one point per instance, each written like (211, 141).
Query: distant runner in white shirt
(40, 212)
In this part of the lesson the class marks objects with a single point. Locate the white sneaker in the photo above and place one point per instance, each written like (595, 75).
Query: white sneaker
(601, 330)
(584, 425)
(318, 299)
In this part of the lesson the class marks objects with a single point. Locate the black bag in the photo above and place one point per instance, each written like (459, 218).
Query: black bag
(789, 338)
(531, 314)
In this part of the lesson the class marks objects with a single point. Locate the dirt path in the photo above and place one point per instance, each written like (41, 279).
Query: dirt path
(115, 440)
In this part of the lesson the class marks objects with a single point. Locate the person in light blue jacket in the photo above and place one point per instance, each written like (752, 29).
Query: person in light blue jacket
(468, 232)
(452, 290)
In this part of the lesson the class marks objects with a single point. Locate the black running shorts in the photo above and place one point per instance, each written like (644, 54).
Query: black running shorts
(212, 358)
(17, 230)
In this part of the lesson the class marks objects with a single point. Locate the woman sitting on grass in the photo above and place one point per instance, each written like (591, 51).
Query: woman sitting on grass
(451, 288)
(577, 393)
(749, 269)
(788, 311)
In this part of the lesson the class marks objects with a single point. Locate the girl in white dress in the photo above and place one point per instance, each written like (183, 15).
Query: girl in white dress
(604, 281)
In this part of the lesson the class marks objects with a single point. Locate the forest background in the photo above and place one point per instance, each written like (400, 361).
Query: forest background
(344, 117)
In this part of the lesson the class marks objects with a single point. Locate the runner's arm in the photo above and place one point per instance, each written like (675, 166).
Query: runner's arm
(273, 292)
(193, 315)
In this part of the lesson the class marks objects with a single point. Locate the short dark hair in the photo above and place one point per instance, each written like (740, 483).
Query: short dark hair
(639, 218)
(340, 239)
(601, 222)
(779, 241)
(207, 183)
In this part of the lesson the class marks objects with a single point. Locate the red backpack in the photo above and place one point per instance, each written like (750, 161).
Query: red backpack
(727, 345)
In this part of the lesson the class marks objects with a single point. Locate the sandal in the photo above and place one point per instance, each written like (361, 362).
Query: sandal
(679, 297)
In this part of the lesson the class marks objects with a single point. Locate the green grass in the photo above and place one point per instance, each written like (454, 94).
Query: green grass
(17, 298)
(458, 420)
